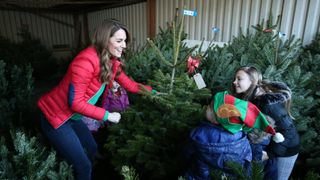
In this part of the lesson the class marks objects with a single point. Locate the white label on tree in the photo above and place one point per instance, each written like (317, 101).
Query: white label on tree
(199, 81)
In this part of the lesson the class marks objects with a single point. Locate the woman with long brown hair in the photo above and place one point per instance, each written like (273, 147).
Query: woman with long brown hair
(89, 76)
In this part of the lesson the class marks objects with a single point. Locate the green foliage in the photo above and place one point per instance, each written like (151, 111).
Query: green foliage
(313, 48)
(238, 172)
(142, 64)
(218, 69)
(267, 52)
(312, 176)
(308, 104)
(153, 132)
(257, 170)
(278, 60)
(264, 50)
(129, 173)
(16, 86)
(27, 159)
(310, 63)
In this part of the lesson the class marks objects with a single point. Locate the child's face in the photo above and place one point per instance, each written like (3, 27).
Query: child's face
(242, 82)
(115, 86)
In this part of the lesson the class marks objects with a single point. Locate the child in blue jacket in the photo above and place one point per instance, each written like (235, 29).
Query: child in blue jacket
(223, 139)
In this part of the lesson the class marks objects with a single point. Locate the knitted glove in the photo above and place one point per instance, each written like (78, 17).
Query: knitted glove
(114, 117)
(264, 156)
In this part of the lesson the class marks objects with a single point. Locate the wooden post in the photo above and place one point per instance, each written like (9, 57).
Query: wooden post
(151, 18)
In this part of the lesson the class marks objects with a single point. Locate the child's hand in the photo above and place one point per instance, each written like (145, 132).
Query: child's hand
(209, 114)
(264, 156)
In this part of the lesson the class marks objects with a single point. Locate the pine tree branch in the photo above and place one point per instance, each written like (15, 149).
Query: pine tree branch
(158, 52)
(176, 44)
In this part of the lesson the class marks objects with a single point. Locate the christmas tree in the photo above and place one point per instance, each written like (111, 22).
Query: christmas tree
(154, 131)
(16, 88)
(26, 158)
(309, 62)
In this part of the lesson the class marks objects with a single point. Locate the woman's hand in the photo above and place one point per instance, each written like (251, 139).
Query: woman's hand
(114, 117)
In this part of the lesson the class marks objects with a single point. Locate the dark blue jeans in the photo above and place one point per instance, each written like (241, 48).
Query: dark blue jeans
(75, 143)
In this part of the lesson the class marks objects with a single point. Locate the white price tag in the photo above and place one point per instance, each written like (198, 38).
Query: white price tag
(199, 81)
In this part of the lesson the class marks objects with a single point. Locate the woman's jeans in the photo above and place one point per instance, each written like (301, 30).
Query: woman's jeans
(75, 143)
(285, 166)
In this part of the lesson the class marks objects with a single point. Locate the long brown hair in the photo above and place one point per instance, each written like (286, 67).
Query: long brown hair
(257, 82)
(100, 40)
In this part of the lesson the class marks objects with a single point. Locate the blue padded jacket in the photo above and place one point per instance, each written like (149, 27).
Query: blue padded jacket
(211, 147)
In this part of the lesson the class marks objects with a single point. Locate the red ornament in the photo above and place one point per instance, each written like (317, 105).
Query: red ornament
(192, 64)
(269, 30)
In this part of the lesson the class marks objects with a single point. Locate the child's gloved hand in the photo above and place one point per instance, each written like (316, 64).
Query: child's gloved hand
(114, 117)
(264, 156)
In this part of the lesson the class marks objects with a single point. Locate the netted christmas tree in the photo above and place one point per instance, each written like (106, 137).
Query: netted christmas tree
(153, 132)
(278, 60)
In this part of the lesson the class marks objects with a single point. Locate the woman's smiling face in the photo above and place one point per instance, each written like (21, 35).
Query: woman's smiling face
(117, 43)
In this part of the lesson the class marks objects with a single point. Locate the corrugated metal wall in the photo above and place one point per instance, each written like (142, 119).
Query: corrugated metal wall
(133, 16)
(51, 28)
(298, 17)
(56, 29)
